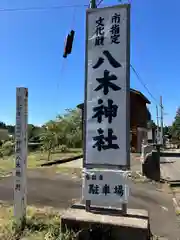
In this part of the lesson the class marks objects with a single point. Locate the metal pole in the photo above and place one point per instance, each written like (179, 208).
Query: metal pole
(161, 120)
(157, 136)
(93, 4)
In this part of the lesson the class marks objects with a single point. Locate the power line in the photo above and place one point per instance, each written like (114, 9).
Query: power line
(142, 82)
(100, 1)
(40, 8)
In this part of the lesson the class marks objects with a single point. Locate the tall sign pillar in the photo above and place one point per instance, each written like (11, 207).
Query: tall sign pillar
(107, 109)
(20, 173)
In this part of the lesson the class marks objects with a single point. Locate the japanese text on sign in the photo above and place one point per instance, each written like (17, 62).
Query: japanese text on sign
(21, 154)
(107, 128)
(105, 186)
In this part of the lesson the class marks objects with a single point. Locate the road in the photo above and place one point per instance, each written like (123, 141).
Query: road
(60, 190)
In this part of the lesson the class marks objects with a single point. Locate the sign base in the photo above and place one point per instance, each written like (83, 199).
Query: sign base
(136, 213)
(134, 225)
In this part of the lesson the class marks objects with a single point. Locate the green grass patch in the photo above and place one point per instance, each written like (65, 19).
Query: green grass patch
(41, 224)
(35, 160)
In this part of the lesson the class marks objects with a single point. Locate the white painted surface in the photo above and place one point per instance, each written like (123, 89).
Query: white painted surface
(119, 53)
(21, 154)
(105, 187)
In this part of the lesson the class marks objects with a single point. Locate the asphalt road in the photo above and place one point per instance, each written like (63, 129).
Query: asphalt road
(60, 190)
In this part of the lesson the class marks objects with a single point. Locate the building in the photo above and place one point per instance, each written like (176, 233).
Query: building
(139, 117)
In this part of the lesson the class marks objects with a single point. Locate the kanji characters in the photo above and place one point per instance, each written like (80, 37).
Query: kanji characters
(93, 189)
(105, 83)
(18, 187)
(116, 18)
(106, 189)
(99, 40)
(110, 58)
(18, 173)
(103, 142)
(109, 112)
(94, 177)
(119, 190)
(115, 29)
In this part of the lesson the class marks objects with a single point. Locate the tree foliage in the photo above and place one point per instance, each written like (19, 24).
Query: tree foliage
(175, 128)
(64, 132)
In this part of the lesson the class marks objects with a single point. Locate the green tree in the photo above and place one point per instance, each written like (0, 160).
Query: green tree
(151, 124)
(70, 126)
(3, 125)
(34, 133)
(175, 129)
(49, 137)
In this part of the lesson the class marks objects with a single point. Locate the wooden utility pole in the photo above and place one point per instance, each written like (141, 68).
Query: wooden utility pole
(157, 133)
(92, 3)
(161, 120)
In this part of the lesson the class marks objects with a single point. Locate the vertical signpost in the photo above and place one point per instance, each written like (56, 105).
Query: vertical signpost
(107, 120)
(20, 184)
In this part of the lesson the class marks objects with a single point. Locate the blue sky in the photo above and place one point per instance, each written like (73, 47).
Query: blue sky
(31, 49)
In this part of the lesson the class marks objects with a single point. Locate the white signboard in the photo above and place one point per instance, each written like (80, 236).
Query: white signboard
(21, 154)
(107, 86)
(107, 187)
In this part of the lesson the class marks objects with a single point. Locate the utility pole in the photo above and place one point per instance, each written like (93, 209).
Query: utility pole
(92, 3)
(161, 120)
(157, 133)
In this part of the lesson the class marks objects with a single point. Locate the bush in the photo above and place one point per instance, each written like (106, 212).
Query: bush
(7, 148)
(1, 153)
(63, 148)
(32, 147)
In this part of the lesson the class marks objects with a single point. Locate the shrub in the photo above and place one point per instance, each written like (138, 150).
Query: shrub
(7, 148)
(1, 153)
(63, 148)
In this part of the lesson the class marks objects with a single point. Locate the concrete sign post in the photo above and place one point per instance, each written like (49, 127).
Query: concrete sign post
(107, 109)
(106, 133)
(20, 185)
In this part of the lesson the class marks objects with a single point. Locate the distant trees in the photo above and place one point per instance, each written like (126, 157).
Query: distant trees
(175, 128)
(62, 133)
(151, 124)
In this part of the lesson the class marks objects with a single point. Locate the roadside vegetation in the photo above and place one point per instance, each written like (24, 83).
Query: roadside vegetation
(57, 139)
(42, 223)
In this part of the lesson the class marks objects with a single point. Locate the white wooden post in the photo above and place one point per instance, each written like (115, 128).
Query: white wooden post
(20, 173)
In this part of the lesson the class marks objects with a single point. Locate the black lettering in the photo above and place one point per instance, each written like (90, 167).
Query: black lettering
(103, 142)
(109, 112)
(119, 190)
(110, 58)
(93, 177)
(99, 40)
(18, 187)
(115, 29)
(116, 18)
(106, 189)
(105, 83)
(100, 177)
(87, 177)
(18, 173)
(93, 189)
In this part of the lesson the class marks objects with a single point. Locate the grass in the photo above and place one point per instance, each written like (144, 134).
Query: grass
(41, 224)
(35, 160)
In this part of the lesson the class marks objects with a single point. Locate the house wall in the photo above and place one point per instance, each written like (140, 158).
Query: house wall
(139, 112)
(139, 116)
